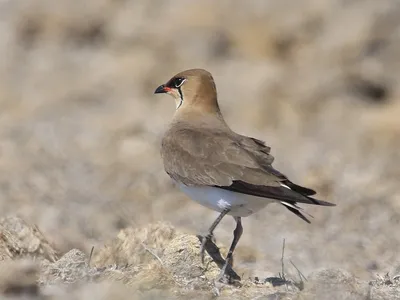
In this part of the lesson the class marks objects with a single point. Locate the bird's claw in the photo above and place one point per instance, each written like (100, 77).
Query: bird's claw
(222, 277)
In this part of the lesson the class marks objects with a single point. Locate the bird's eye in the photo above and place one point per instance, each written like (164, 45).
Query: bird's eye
(178, 82)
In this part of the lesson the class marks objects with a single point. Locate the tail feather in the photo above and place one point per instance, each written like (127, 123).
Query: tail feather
(297, 212)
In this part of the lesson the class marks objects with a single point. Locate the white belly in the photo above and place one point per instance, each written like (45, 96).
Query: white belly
(217, 199)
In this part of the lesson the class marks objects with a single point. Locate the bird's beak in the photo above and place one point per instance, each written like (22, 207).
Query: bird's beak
(162, 89)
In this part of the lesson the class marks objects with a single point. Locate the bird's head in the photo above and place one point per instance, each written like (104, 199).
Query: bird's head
(193, 88)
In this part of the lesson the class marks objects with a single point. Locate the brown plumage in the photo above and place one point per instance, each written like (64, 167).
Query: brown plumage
(199, 150)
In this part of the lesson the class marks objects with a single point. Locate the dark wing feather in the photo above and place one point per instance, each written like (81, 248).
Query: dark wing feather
(273, 192)
(300, 189)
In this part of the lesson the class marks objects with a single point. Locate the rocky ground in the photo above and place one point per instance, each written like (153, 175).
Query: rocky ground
(80, 132)
(155, 262)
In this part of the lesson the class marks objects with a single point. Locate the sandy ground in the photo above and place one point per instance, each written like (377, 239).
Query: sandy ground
(80, 128)
(157, 262)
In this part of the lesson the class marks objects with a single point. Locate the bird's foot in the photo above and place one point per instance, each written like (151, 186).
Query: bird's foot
(223, 276)
(227, 279)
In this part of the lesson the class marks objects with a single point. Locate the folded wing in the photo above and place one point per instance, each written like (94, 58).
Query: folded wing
(231, 162)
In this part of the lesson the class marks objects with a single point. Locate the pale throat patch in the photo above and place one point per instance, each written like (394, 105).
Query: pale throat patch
(178, 102)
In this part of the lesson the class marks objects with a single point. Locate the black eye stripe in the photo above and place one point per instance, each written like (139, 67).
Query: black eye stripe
(176, 82)
(180, 92)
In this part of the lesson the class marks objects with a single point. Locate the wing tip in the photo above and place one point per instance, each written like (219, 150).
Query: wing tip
(298, 188)
(321, 202)
(305, 192)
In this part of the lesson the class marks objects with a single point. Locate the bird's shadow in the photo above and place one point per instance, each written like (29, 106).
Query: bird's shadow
(275, 281)
(216, 256)
(233, 277)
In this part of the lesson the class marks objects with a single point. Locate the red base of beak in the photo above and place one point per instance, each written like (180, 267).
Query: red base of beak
(162, 89)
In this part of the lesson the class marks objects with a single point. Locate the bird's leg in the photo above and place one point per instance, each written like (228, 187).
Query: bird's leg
(209, 235)
(237, 233)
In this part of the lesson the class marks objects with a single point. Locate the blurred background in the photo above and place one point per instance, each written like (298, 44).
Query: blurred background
(318, 80)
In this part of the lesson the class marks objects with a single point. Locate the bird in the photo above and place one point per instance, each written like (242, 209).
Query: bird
(225, 171)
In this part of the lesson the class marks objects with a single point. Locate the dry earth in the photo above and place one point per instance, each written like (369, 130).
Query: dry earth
(155, 262)
(80, 129)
